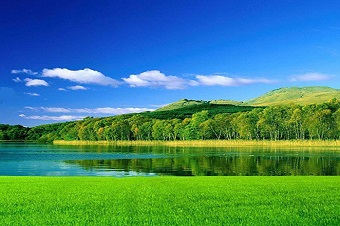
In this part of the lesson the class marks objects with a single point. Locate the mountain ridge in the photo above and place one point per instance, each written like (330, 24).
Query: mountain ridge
(281, 96)
(297, 95)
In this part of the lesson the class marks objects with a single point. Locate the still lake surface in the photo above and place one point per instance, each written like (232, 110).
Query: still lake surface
(28, 159)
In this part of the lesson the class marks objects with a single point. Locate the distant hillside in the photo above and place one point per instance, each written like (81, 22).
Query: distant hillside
(231, 102)
(296, 95)
(186, 108)
(181, 104)
(184, 103)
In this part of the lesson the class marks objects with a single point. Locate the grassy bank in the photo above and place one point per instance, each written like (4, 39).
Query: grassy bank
(170, 201)
(212, 143)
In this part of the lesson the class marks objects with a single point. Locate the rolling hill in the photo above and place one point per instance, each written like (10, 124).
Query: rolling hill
(287, 95)
(184, 103)
(186, 108)
(296, 95)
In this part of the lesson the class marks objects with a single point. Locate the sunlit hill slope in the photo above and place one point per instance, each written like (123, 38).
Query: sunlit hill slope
(282, 96)
(296, 95)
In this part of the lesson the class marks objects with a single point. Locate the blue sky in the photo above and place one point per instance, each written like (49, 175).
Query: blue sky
(64, 60)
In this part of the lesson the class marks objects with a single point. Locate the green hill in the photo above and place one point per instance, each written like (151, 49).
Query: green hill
(287, 95)
(296, 95)
(182, 104)
(186, 108)
(185, 103)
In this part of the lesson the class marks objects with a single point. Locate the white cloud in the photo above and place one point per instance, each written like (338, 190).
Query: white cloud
(35, 82)
(219, 80)
(104, 110)
(32, 94)
(116, 111)
(24, 71)
(72, 112)
(62, 89)
(17, 79)
(53, 118)
(156, 79)
(215, 80)
(77, 87)
(307, 77)
(31, 108)
(85, 76)
(55, 109)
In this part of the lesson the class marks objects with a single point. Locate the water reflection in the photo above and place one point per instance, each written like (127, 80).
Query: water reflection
(235, 165)
(41, 159)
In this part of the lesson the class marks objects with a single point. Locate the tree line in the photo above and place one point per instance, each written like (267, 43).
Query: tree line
(284, 122)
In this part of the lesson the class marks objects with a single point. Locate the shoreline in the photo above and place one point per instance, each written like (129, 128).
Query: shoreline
(211, 143)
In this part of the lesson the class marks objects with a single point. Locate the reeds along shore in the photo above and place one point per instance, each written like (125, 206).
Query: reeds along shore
(211, 143)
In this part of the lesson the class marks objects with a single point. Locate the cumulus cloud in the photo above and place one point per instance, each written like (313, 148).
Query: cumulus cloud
(219, 80)
(307, 77)
(104, 110)
(71, 114)
(33, 94)
(35, 82)
(85, 76)
(156, 79)
(152, 78)
(24, 71)
(53, 118)
(77, 87)
(17, 79)
(215, 80)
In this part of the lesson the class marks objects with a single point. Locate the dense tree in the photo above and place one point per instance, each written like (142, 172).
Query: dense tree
(296, 123)
(316, 121)
(120, 129)
(193, 130)
(145, 130)
(158, 130)
(69, 132)
(336, 117)
(16, 132)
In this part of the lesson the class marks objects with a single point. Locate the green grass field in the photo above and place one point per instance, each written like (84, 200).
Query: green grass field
(170, 201)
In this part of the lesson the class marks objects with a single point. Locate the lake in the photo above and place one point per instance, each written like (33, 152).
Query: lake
(28, 159)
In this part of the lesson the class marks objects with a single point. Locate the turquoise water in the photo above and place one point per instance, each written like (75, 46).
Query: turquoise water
(51, 160)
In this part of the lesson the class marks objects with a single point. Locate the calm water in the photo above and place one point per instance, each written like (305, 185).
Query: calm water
(49, 160)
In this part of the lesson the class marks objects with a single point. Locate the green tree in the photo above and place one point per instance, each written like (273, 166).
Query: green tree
(274, 122)
(247, 124)
(158, 130)
(193, 130)
(296, 123)
(321, 124)
(136, 121)
(145, 130)
(120, 129)
(180, 129)
(69, 132)
(336, 117)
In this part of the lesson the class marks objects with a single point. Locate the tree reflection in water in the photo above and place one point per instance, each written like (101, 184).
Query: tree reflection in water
(182, 162)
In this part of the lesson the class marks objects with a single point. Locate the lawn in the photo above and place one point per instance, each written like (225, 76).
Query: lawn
(170, 201)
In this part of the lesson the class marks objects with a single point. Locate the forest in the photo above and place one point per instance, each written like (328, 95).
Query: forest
(282, 122)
